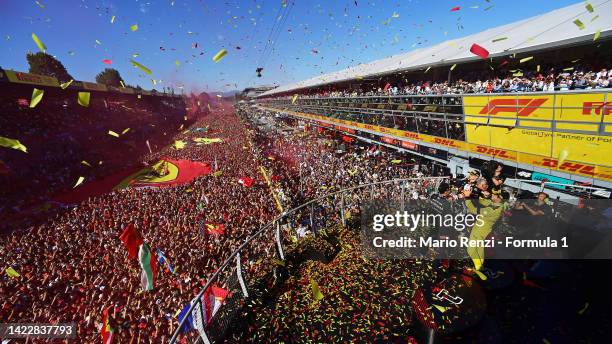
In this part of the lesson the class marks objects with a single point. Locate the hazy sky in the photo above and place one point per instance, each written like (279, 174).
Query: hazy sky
(312, 37)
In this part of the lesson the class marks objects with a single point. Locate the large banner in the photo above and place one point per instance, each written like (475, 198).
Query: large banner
(571, 108)
(34, 79)
(492, 120)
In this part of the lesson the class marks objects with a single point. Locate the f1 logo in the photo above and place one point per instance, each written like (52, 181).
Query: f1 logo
(588, 107)
(522, 107)
(443, 294)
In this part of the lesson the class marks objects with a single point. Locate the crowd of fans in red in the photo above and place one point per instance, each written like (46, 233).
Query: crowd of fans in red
(544, 80)
(66, 141)
(74, 266)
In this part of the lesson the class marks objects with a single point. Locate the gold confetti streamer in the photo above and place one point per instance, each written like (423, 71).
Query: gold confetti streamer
(12, 143)
(141, 67)
(37, 96)
(79, 182)
(40, 44)
(219, 55)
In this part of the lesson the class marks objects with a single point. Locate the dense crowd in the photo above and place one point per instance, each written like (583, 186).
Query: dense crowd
(529, 81)
(74, 266)
(66, 140)
(312, 164)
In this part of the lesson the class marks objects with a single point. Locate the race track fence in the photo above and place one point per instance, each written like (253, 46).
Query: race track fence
(243, 271)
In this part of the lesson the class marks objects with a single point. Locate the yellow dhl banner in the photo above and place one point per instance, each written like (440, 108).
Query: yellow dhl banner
(570, 108)
(591, 149)
(34, 79)
(572, 167)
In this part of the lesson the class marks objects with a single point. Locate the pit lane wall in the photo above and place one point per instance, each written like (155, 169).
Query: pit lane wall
(566, 133)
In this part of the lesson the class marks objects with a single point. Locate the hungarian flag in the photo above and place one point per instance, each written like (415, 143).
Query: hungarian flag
(215, 229)
(131, 239)
(479, 51)
(246, 181)
(107, 330)
(148, 264)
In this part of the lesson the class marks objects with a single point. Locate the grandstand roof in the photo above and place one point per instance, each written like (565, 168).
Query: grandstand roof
(549, 30)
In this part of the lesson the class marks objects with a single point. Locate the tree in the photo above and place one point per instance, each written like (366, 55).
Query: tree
(109, 77)
(45, 64)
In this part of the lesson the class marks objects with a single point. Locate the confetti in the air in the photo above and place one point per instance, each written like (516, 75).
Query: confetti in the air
(596, 35)
(37, 96)
(83, 99)
(479, 51)
(79, 182)
(12, 143)
(219, 55)
(66, 84)
(40, 44)
(141, 67)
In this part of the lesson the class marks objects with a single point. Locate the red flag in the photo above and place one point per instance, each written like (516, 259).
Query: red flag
(455, 9)
(386, 87)
(131, 239)
(212, 300)
(215, 229)
(479, 51)
(107, 330)
(347, 139)
(246, 181)
(275, 178)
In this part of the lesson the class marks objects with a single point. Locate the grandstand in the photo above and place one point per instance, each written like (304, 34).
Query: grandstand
(561, 136)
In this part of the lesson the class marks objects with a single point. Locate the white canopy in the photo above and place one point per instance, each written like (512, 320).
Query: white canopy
(549, 30)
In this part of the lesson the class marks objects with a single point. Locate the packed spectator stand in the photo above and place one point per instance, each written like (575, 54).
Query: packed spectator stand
(73, 266)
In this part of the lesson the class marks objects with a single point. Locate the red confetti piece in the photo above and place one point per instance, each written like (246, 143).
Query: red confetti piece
(455, 9)
(107, 61)
(479, 51)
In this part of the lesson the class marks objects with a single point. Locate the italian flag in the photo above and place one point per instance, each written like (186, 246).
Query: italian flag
(148, 263)
(107, 330)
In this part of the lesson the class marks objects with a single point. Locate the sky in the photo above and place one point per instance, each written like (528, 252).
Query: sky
(291, 39)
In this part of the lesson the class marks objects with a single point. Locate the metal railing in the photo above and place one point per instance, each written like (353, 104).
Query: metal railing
(240, 275)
